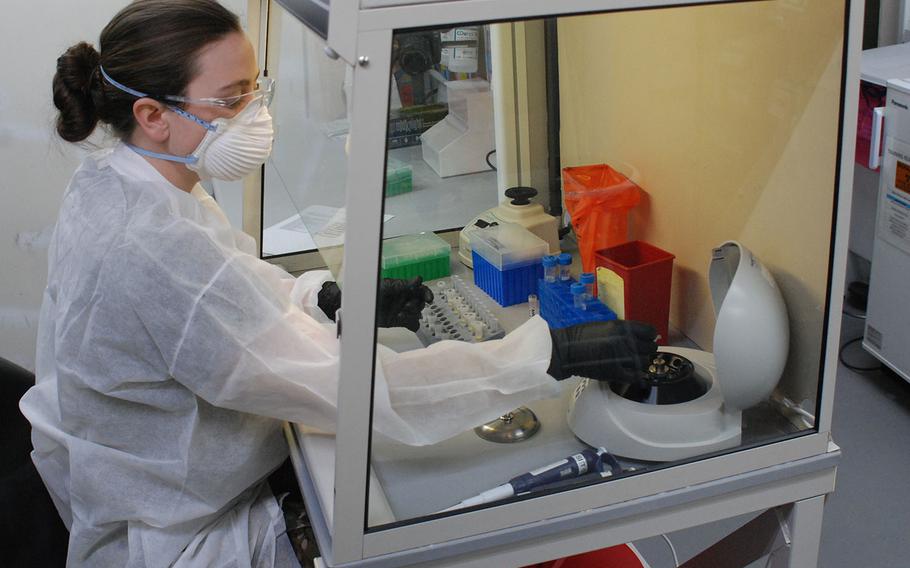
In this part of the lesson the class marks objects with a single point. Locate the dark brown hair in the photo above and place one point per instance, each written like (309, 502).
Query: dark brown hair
(150, 46)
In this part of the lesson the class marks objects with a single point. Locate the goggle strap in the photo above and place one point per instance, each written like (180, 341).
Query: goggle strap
(205, 124)
(264, 94)
(120, 86)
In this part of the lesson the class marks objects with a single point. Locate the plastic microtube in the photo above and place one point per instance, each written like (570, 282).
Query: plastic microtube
(549, 269)
(578, 295)
(565, 263)
(533, 305)
(588, 279)
(477, 329)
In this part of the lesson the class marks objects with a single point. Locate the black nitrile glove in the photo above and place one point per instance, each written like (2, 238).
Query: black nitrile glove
(401, 301)
(329, 299)
(617, 350)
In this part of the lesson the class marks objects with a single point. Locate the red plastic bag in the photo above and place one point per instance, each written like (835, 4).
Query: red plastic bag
(598, 199)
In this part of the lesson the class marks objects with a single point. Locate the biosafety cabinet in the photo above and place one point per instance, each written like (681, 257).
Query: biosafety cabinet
(696, 151)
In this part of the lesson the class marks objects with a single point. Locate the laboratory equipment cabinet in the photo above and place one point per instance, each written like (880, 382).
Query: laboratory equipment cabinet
(736, 122)
(888, 316)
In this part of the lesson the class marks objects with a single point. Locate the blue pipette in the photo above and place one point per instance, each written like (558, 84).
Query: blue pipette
(575, 465)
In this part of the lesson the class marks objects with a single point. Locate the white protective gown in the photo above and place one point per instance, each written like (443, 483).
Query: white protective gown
(168, 355)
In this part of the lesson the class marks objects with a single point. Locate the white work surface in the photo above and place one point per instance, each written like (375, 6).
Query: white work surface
(408, 482)
(882, 64)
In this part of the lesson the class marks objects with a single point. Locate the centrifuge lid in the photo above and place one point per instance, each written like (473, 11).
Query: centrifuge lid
(752, 332)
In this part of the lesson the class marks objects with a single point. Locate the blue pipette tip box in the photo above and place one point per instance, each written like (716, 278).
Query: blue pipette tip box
(509, 286)
(507, 262)
(557, 306)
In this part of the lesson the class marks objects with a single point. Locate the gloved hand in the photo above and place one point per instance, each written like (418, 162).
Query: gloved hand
(329, 299)
(617, 350)
(400, 301)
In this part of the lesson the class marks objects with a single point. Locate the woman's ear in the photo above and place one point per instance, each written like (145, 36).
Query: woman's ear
(149, 115)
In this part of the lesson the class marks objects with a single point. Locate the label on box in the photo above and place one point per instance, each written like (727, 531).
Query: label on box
(460, 34)
(895, 224)
(894, 212)
(611, 290)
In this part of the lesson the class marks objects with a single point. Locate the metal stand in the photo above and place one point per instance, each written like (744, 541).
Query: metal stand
(788, 535)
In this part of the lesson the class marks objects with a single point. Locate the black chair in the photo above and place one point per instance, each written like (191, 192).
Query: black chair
(31, 532)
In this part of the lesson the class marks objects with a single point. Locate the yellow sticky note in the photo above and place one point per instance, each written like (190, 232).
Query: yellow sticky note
(611, 290)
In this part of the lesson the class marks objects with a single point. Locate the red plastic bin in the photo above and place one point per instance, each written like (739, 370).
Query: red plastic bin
(622, 556)
(647, 273)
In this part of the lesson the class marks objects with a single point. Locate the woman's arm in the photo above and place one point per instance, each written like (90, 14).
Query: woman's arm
(229, 331)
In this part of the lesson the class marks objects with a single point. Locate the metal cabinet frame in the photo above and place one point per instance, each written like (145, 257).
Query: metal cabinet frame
(789, 471)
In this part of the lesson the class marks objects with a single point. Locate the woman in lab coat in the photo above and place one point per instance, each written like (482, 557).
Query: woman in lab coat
(168, 353)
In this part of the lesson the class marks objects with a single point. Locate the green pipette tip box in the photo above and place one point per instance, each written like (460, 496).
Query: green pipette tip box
(398, 178)
(423, 254)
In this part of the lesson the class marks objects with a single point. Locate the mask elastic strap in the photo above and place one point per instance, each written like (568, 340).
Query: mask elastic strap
(179, 111)
(160, 156)
(190, 116)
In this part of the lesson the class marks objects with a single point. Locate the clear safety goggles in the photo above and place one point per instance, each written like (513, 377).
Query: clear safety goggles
(261, 95)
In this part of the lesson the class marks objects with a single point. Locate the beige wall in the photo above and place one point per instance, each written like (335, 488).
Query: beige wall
(727, 116)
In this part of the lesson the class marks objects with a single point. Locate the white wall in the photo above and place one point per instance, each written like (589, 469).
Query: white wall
(889, 27)
(36, 165)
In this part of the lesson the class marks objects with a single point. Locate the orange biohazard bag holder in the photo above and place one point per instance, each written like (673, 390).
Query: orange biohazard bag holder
(598, 199)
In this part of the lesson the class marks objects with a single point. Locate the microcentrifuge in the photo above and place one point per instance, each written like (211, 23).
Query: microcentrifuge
(689, 401)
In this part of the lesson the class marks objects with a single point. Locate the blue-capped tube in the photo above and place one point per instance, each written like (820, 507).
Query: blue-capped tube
(565, 265)
(579, 293)
(550, 269)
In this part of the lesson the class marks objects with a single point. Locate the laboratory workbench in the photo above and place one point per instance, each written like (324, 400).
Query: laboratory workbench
(406, 482)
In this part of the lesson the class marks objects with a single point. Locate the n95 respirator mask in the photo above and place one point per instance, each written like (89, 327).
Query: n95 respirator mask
(236, 146)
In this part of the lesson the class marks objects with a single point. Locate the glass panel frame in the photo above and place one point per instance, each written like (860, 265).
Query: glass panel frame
(303, 183)
(834, 171)
(349, 539)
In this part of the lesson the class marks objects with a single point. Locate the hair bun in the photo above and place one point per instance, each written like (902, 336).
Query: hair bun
(76, 69)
